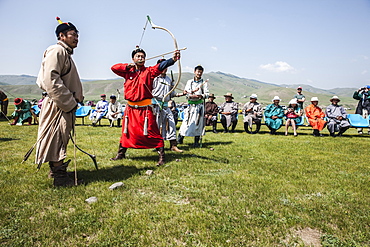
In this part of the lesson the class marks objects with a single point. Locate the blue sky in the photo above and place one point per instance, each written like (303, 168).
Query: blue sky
(323, 43)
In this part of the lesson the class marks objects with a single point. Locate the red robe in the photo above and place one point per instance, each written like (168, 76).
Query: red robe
(314, 115)
(138, 86)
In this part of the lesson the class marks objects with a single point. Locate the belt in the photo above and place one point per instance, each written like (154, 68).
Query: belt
(142, 103)
(158, 102)
(195, 102)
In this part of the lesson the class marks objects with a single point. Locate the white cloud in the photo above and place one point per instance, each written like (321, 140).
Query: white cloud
(187, 69)
(214, 48)
(364, 57)
(278, 66)
(364, 72)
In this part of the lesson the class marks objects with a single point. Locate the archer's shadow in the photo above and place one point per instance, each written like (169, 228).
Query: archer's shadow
(8, 139)
(113, 174)
(211, 144)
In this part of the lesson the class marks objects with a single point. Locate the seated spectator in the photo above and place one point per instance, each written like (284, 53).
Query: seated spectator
(274, 114)
(211, 113)
(252, 112)
(22, 112)
(229, 111)
(363, 106)
(337, 118)
(293, 115)
(114, 111)
(100, 110)
(315, 116)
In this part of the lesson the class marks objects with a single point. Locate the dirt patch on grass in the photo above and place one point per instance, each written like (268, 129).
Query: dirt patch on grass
(307, 236)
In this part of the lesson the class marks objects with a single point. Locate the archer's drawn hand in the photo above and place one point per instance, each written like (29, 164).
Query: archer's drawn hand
(130, 65)
(176, 55)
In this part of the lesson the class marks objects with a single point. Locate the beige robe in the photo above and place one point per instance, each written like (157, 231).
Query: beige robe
(58, 76)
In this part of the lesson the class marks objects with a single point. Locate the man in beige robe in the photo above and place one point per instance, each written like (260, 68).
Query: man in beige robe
(58, 76)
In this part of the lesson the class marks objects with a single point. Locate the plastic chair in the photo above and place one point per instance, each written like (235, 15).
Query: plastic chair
(83, 112)
(356, 120)
(300, 122)
(181, 115)
(35, 111)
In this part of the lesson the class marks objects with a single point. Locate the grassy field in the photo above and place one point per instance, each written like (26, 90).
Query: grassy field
(237, 190)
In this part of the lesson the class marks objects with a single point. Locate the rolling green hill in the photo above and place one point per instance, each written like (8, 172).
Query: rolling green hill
(219, 83)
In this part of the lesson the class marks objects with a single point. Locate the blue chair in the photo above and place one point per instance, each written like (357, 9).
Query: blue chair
(83, 112)
(356, 120)
(36, 110)
(300, 122)
(181, 115)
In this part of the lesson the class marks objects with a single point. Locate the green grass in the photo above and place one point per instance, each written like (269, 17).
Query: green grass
(251, 190)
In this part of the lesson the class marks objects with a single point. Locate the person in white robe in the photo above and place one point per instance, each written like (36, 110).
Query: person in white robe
(100, 111)
(114, 111)
(196, 91)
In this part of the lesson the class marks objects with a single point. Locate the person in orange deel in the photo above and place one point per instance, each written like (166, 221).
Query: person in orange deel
(315, 116)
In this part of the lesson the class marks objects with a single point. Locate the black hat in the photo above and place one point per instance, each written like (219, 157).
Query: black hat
(199, 67)
(64, 26)
(113, 97)
(136, 51)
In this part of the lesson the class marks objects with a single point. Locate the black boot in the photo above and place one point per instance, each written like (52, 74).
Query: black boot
(121, 154)
(196, 142)
(61, 178)
(342, 130)
(316, 132)
(214, 128)
(119, 122)
(51, 174)
(233, 127)
(161, 156)
(180, 139)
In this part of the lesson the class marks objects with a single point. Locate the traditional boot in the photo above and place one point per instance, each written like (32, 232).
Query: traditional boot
(51, 174)
(233, 127)
(196, 142)
(161, 156)
(180, 139)
(29, 121)
(15, 121)
(214, 129)
(121, 153)
(61, 178)
(119, 122)
(174, 147)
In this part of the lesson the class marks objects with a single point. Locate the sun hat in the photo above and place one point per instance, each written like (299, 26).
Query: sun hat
(334, 97)
(212, 95)
(314, 99)
(276, 98)
(18, 101)
(103, 95)
(229, 95)
(299, 87)
(253, 96)
(293, 101)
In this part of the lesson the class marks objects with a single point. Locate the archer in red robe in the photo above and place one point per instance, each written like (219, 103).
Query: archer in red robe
(139, 128)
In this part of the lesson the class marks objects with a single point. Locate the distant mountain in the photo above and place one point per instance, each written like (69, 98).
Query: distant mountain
(18, 79)
(219, 83)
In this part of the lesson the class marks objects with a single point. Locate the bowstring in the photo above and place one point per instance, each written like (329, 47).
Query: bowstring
(142, 35)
